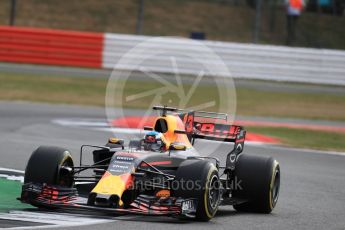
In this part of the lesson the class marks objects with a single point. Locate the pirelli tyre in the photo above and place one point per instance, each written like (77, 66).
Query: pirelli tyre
(259, 183)
(50, 165)
(199, 179)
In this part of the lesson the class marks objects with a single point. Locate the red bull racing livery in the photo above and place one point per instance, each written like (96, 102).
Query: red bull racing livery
(160, 174)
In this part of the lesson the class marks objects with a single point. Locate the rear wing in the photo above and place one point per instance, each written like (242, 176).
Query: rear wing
(215, 132)
(213, 127)
(224, 133)
(182, 112)
(219, 132)
(205, 114)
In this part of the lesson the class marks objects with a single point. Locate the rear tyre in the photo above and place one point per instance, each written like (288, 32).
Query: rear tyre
(200, 180)
(48, 165)
(259, 179)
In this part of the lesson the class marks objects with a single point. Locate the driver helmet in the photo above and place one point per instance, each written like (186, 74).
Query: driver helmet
(154, 141)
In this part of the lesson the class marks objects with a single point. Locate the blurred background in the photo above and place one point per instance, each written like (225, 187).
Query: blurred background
(63, 52)
(321, 25)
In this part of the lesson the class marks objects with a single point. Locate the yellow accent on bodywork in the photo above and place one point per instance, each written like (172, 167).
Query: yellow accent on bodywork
(179, 147)
(113, 140)
(174, 123)
(163, 193)
(110, 185)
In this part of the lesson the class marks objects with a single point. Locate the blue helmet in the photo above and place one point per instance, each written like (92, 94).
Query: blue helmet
(154, 141)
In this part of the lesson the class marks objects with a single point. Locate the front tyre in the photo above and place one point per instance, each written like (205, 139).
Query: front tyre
(259, 178)
(49, 165)
(204, 177)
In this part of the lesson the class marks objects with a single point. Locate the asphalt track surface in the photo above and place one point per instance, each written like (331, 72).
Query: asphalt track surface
(312, 190)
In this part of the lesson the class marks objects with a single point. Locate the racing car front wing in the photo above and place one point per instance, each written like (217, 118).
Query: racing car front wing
(45, 196)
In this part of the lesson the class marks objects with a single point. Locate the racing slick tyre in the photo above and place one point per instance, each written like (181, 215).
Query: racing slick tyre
(199, 179)
(48, 165)
(259, 180)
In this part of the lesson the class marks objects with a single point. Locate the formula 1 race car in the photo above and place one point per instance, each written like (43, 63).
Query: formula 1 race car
(161, 174)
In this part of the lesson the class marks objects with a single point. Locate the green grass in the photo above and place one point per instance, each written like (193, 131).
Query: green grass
(291, 104)
(300, 138)
(91, 91)
(219, 21)
(9, 191)
(54, 89)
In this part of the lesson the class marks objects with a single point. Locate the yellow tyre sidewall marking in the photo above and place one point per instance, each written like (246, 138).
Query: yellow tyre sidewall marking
(207, 190)
(66, 157)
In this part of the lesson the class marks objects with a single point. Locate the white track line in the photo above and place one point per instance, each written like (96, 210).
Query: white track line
(53, 220)
(80, 123)
(12, 170)
(13, 178)
(12, 174)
